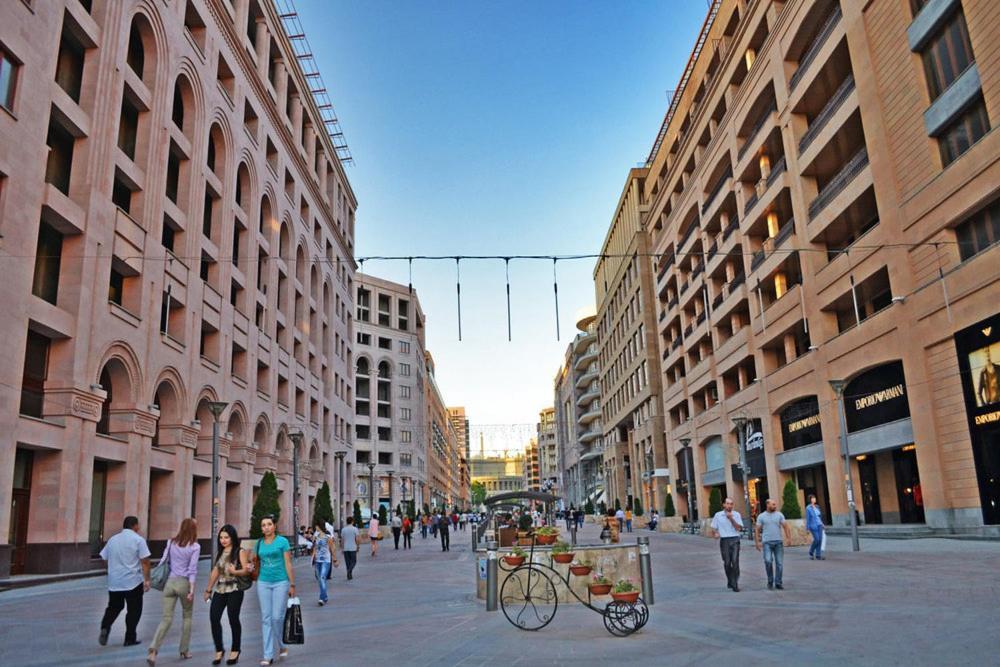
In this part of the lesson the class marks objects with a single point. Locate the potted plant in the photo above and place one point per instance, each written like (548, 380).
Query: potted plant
(600, 585)
(515, 557)
(524, 530)
(561, 553)
(580, 569)
(625, 591)
(547, 535)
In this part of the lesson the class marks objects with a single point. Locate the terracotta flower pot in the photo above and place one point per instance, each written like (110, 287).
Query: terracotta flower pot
(524, 541)
(580, 570)
(546, 539)
(600, 589)
(563, 558)
(513, 561)
(626, 597)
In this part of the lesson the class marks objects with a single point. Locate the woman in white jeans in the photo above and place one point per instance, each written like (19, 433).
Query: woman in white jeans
(275, 583)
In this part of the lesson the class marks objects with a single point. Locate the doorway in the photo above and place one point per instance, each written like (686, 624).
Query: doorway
(98, 499)
(813, 482)
(20, 502)
(911, 502)
(870, 504)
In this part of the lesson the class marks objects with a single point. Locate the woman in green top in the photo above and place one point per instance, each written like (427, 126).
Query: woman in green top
(274, 584)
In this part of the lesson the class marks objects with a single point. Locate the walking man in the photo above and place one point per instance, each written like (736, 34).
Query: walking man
(628, 520)
(727, 524)
(620, 517)
(443, 529)
(771, 528)
(397, 527)
(349, 543)
(407, 533)
(814, 524)
(127, 556)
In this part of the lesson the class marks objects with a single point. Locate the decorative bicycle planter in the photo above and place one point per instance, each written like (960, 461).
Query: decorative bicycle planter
(529, 598)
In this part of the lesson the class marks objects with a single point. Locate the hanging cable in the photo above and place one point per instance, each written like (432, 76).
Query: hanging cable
(555, 291)
(458, 295)
(506, 269)
(944, 286)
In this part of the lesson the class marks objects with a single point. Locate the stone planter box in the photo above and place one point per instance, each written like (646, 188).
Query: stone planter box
(671, 524)
(800, 536)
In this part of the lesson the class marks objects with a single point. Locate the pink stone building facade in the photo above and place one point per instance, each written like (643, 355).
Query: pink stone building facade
(176, 229)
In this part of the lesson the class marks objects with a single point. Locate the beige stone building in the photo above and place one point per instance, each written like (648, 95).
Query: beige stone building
(532, 466)
(822, 199)
(634, 459)
(389, 378)
(548, 450)
(499, 474)
(448, 480)
(176, 230)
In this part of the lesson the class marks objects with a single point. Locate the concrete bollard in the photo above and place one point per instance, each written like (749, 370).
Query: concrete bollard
(491, 576)
(645, 570)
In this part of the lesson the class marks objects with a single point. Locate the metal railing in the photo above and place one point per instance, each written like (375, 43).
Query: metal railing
(718, 188)
(810, 53)
(777, 170)
(846, 174)
(823, 117)
(754, 130)
(730, 228)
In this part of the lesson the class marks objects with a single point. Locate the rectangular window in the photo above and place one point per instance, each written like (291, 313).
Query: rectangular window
(59, 165)
(48, 256)
(121, 194)
(979, 232)
(406, 436)
(384, 310)
(8, 80)
(128, 127)
(404, 391)
(168, 237)
(406, 460)
(362, 432)
(364, 339)
(964, 131)
(364, 305)
(403, 309)
(405, 414)
(404, 370)
(116, 287)
(384, 434)
(947, 55)
(36, 367)
(69, 65)
(384, 343)
(404, 347)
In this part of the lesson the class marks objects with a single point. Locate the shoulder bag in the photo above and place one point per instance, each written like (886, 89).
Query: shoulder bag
(158, 577)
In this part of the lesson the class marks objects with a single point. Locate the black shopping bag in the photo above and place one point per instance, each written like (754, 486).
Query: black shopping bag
(293, 633)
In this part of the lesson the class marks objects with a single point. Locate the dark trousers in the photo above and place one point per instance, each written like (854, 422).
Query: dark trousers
(116, 602)
(350, 560)
(408, 540)
(730, 548)
(445, 541)
(231, 603)
(395, 536)
(423, 532)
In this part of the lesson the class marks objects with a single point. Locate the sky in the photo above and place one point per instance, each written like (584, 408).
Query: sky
(496, 128)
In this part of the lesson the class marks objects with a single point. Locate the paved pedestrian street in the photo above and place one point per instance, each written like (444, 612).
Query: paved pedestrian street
(912, 602)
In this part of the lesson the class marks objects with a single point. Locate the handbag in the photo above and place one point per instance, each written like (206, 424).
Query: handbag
(293, 631)
(245, 581)
(256, 567)
(158, 577)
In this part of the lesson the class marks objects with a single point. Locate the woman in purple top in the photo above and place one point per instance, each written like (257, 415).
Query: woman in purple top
(183, 552)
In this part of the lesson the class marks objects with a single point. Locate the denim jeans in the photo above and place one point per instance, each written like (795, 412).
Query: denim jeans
(774, 551)
(322, 570)
(273, 599)
(816, 548)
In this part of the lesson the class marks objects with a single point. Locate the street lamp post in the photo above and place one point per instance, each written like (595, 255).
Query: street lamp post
(692, 501)
(296, 439)
(741, 423)
(402, 489)
(390, 473)
(838, 389)
(371, 488)
(339, 457)
(216, 408)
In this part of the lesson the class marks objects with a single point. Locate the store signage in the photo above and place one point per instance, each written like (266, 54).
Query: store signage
(800, 424)
(988, 418)
(876, 397)
(754, 441)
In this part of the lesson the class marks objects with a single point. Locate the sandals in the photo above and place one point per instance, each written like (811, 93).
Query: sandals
(187, 656)
(151, 657)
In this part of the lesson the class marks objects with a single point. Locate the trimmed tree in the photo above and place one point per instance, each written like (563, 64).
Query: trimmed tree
(618, 504)
(603, 506)
(589, 507)
(790, 501)
(357, 514)
(478, 494)
(266, 503)
(381, 515)
(637, 506)
(323, 512)
(714, 501)
(668, 506)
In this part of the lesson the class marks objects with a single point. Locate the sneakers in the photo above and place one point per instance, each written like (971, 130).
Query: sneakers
(322, 603)
(779, 587)
(102, 639)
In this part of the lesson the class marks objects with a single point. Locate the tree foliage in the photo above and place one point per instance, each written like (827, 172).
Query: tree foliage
(589, 507)
(266, 503)
(478, 494)
(637, 506)
(323, 511)
(357, 514)
(790, 506)
(668, 506)
(714, 501)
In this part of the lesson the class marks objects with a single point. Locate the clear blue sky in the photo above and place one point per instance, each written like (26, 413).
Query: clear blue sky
(496, 128)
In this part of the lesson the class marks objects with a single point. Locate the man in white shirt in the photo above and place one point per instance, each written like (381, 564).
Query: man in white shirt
(620, 516)
(128, 578)
(727, 526)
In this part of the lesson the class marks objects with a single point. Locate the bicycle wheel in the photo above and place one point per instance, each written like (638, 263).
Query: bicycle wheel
(528, 598)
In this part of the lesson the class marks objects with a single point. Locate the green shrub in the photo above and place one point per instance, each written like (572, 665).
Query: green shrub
(637, 507)
(790, 501)
(323, 512)
(589, 507)
(668, 506)
(382, 515)
(618, 504)
(357, 514)
(266, 503)
(714, 501)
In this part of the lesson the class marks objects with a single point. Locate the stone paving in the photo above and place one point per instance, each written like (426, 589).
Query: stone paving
(913, 602)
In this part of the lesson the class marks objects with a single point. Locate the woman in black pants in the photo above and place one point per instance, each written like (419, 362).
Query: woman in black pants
(223, 589)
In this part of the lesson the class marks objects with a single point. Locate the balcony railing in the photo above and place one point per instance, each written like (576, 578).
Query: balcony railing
(713, 249)
(784, 233)
(687, 236)
(688, 329)
(810, 53)
(750, 202)
(683, 288)
(733, 225)
(717, 301)
(736, 282)
(754, 130)
(697, 270)
(663, 315)
(757, 259)
(667, 263)
(672, 302)
(700, 318)
(718, 188)
(675, 344)
(823, 117)
(839, 182)
(776, 171)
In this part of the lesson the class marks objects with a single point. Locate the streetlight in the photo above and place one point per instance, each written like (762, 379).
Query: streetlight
(339, 457)
(371, 488)
(216, 408)
(838, 389)
(691, 499)
(741, 423)
(296, 439)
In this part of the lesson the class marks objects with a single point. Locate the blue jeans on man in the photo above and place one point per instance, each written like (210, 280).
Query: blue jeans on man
(774, 552)
(322, 572)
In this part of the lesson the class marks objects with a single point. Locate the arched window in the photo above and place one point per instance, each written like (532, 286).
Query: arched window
(165, 398)
(114, 379)
(136, 56)
(177, 113)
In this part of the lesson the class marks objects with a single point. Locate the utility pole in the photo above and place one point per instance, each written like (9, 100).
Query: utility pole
(216, 408)
(296, 439)
(741, 438)
(838, 389)
(339, 457)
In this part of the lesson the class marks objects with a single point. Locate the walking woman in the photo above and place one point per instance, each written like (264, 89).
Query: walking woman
(225, 594)
(407, 532)
(323, 553)
(814, 524)
(182, 553)
(373, 535)
(275, 583)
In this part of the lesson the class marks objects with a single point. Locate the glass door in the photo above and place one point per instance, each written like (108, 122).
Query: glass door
(911, 500)
(869, 489)
(98, 494)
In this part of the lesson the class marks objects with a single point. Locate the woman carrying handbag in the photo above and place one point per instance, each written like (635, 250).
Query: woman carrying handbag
(275, 583)
(181, 554)
(230, 577)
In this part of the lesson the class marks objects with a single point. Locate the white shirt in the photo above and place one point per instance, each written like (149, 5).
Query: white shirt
(124, 553)
(722, 525)
(620, 514)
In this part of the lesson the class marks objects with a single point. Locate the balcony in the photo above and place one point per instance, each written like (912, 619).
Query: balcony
(587, 398)
(852, 168)
(582, 340)
(712, 250)
(810, 53)
(687, 236)
(586, 378)
(667, 262)
(589, 436)
(589, 416)
(586, 359)
(754, 131)
(717, 189)
(823, 117)
(733, 225)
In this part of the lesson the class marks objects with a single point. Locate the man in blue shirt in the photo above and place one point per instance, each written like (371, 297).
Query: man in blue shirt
(727, 525)
(128, 578)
